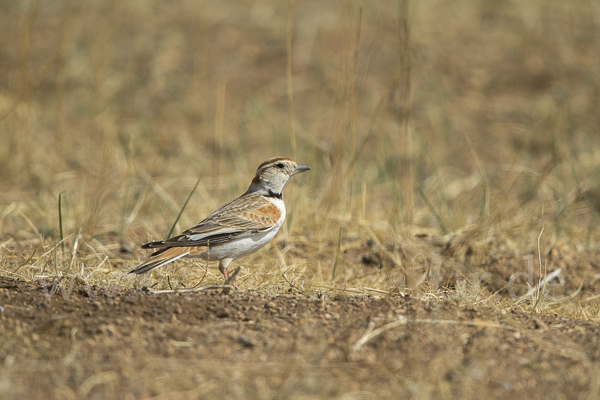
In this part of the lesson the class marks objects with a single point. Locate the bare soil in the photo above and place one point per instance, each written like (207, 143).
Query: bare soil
(122, 343)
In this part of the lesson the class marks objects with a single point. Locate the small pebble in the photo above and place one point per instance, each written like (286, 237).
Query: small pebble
(222, 313)
(245, 341)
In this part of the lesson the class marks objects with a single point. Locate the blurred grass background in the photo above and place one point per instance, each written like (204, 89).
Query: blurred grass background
(471, 120)
(443, 137)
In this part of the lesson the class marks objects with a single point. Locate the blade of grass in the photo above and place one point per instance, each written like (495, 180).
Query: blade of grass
(583, 193)
(337, 253)
(485, 196)
(558, 208)
(440, 181)
(60, 222)
(182, 209)
(406, 167)
(353, 102)
(288, 73)
(353, 94)
(123, 209)
(136, 210)
(433, 210)
(484, 210)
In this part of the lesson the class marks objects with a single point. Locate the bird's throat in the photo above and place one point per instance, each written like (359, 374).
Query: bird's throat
(271, 193)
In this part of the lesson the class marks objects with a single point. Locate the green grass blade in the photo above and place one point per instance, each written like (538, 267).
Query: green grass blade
(337, 254)
(60, 222)
(440, 181)
(433, 210)
(182, 209)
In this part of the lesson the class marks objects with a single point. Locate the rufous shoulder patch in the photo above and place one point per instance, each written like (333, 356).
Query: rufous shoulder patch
(266, 215)
(269, 211)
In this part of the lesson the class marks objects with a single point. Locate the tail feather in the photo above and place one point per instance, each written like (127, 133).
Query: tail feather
(163, 257)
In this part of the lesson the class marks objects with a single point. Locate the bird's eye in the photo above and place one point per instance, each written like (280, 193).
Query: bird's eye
(280, 166)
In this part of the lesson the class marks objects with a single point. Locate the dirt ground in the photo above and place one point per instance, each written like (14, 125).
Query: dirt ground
(90, 342)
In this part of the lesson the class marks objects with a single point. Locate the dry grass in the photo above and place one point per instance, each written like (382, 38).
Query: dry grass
(442, 135)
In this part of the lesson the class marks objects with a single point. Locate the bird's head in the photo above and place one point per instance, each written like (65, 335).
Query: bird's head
(272, 175)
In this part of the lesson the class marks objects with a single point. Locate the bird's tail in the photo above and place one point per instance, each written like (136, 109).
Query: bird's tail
(161, 257)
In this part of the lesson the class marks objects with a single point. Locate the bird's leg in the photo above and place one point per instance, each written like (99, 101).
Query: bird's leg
(223, 269)
(228, 280)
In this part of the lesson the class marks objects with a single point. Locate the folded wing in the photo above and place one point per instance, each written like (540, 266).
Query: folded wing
(243, 217)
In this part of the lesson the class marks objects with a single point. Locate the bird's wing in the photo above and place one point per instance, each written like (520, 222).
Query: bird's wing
(242, 217)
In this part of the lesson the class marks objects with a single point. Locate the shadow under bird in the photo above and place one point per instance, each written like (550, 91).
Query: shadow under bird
(238, 228)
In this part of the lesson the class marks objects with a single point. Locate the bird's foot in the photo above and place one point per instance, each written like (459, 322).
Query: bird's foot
(229, 280)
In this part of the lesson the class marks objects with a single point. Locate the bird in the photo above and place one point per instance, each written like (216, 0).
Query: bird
(236, 229)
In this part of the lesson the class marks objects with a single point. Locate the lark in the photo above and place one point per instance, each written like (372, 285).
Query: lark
(238, 228)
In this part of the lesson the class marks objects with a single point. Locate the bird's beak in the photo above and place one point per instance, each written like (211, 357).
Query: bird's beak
(300, 168)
